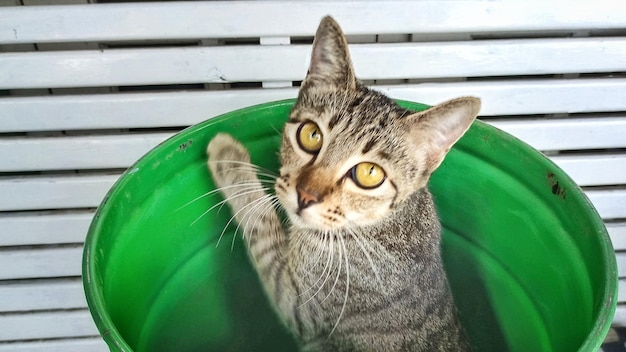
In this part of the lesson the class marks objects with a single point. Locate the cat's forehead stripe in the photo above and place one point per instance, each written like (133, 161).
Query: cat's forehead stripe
(369, 145)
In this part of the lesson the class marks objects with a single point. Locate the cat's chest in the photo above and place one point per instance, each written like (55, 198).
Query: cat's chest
(334, 268)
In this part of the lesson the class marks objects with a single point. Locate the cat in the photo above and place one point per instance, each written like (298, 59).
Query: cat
(358, 266)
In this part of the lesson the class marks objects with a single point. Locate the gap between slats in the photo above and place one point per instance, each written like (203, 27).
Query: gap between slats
(168, 109)
(208, 19)
(221, 64)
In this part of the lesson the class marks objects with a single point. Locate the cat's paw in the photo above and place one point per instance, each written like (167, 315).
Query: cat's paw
(227, 159)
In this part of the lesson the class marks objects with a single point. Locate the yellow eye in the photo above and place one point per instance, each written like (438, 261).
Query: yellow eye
(368, 175)
(310, 137)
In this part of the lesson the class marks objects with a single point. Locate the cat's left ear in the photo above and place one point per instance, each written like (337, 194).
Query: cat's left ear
(434, 131)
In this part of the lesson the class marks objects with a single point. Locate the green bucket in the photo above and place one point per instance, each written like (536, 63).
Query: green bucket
(529, 260)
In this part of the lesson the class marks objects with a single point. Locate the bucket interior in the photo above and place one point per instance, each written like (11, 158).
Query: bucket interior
(529, 260)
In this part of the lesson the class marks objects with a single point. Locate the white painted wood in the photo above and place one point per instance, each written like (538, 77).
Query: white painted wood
(570, 133)
(52, 213)
(148, 110)
(525, 97)
(87, 191)
(621, 291)
(62, 192)
(70, 153)
(621, 264)
(44, 325)
(619, 320)
(610, 204)
(224, 19)
(71, 227)
(121, 151)
(41, 263)
(37, 228)
(89, 344)
(65, 262)
(42, 295)
(617, 231)
(290, 62)
(594, 170)
(140, 110)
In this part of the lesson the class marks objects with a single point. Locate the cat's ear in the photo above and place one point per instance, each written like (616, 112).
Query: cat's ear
(330, 66)
(434, 131)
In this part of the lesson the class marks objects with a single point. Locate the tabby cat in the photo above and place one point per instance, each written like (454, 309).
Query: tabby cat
(358, 267)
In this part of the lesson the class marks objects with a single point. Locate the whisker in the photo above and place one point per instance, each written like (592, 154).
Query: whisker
(258, 210)
(326, 275)
(250, 189)
(246, 164)
(232, 218)
(213, 192)
(345, 299)
(342, 253)
(259, 203)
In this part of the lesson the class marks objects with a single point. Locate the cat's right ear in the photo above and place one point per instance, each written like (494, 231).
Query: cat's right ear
(330, 67)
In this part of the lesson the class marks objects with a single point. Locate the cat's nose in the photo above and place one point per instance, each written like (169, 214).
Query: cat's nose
(306, 198)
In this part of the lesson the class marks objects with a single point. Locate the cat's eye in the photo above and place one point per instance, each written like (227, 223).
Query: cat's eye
(368, 175)
(310, 137)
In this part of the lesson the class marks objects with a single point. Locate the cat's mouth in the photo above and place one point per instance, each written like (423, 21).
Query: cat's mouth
(312, 218)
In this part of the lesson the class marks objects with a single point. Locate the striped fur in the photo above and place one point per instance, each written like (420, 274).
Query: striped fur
(356, 269)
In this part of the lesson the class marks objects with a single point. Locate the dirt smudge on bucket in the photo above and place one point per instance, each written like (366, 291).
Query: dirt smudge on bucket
(555, 187)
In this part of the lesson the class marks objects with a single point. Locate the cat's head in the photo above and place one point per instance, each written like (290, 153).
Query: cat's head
(351, 155)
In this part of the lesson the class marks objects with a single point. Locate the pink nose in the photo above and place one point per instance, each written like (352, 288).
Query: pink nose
(306, 198)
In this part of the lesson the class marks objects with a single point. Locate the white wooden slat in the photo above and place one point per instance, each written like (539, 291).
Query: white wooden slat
(40, 263)
(87, 191)
(65, 262)
(619, 320)
(60, 228)
(621, 291)
(144, 110)
(524, 97)
(121, 151)
(594, 170)
(621, 264)
(139, 110)
(217, 19)
(617, 231)
(36, 228)
(68, 153)
(610, 204)
(50, 192)
(42, 295)
(570, 133)
(289, 63)
(45, 325)
(89, 344)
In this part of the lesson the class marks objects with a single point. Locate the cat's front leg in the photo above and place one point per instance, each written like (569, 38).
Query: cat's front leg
(253, 209)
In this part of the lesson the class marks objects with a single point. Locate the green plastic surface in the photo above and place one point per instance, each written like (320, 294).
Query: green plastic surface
(529, 260)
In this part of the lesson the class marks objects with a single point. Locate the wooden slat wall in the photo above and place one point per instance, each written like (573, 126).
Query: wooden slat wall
(87, 88)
